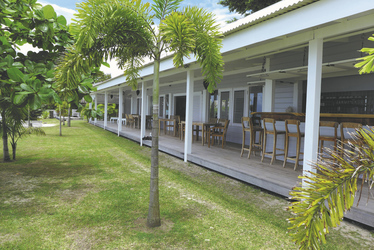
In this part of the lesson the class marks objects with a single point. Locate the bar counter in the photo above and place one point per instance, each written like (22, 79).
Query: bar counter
(364, 119)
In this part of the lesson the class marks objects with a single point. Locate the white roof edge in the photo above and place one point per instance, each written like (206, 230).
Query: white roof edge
(269, 12)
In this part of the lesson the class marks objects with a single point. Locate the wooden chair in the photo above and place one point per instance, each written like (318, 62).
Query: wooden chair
(219, 131)
(148, 121)
(333, 138)
(345, 129)
(298, 135)
(252, 129)
(275, 134)
(130, 121)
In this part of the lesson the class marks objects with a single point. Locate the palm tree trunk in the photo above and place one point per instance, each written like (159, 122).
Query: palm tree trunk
(6, 156)
(153, 219)
(14, 148)
(28, 117)
(60, 122)
(69, 115)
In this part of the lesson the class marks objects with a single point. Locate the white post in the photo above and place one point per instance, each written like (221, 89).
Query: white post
(205, 106)
(90, 107)
(133, 107)
(296, 95)
(96, 106)
(189, 107)
(312, 104)
(120, 109)
(268, 91)
(106, 110)
(143, 116)
(268, 96)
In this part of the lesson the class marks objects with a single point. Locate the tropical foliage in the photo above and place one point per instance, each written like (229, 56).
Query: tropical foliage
(330, 190)
(91, 113)
(367, 64)
(246, 7)
(126, 30)
(26, 80)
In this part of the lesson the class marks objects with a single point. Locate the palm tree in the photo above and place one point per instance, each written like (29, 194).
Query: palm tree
(126, 30)
(330, 191)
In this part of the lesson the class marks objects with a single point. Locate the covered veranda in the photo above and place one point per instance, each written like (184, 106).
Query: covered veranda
(286, 52)
(227, 161)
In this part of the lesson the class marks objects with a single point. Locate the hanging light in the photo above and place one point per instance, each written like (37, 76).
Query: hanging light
(137, 92)
(111, 96)
(205, 84)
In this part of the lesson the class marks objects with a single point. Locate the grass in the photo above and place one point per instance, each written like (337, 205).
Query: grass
(88, 189)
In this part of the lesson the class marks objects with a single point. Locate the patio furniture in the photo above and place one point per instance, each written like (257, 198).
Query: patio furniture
(332, 138)
(252, 129)
(173, 124)
(137, 120)
(113, 119)
(129, 120)
(148, 121)
(275, 134)
(165, 121)
(290, 124)
(219, 132)
(345, 129)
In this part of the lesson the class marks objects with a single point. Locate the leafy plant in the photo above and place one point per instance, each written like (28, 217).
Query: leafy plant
(330, 191)
(126, 30)
(45, 114)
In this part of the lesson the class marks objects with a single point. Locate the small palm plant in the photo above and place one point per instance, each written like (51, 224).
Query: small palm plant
(331, 191)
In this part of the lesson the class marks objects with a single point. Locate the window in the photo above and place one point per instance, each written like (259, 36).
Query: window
(166, 106)
(255, 99)
(213, 105)
(225, 105)
(139, 106)
(238, 106)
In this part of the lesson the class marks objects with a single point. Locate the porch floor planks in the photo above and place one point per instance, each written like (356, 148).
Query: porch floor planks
(227, 161)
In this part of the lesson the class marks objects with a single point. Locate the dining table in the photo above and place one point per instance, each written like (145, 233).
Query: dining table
(205, 127)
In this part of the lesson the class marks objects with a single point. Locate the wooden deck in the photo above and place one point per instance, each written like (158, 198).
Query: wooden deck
(227, 161)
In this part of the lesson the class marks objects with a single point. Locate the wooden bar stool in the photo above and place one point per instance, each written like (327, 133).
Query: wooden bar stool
(275, 134)
(333, 138)
(298, 135)
(252, 129)
(345, 129)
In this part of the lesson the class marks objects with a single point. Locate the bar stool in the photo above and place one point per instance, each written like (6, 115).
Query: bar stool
(344, 129)
(252, 129)
(333, 138)
(298, 135)
(275, 134)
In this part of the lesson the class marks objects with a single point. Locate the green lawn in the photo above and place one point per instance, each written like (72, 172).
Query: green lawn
(88, 189)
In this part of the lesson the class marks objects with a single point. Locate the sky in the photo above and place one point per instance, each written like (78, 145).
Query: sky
(67, 9)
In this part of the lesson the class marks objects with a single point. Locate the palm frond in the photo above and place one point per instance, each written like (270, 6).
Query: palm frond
(163, 8)
(208, 44)
(367, 64)
(330, 191)
(178, 32)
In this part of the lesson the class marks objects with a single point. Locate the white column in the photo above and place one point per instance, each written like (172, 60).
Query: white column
(143, 116)
(96, 106)
(133, 107)
(189, 107)
(268, 91)
(205, 106)
(312, 103)
(90, 106)
(106, 110)
(268, 96)
(120, 109)
(296, 95)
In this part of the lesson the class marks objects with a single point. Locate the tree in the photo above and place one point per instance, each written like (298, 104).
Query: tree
(91, 113)
(25, 80)
(126, 30)
(331, 189)
(246, 7)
